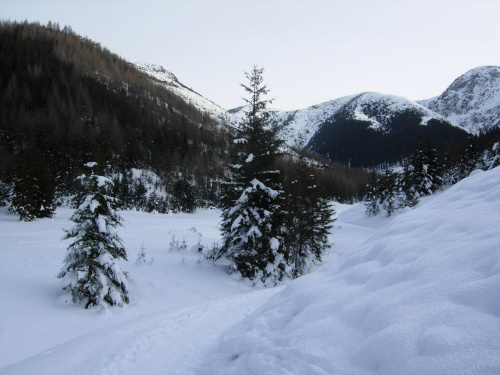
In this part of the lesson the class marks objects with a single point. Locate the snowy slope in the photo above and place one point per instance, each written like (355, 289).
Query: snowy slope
(413, 294)
(377, 109)
(472, 100)
(422, 296)
(169, 80)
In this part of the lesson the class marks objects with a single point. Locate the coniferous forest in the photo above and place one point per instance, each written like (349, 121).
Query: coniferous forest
(65, 101)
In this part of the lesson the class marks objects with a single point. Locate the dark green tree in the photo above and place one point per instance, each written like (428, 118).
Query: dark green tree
(425, 171)
(184, 195)
(252, 218)
(33, 192)
(140, 195)
(90, 266)
(308, 220)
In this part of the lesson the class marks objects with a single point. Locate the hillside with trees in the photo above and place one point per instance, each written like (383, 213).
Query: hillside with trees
(66, 101)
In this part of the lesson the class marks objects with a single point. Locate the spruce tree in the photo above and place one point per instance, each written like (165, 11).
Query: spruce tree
(470, 158)
(252, 221)
(90, 266)
(184, 196)
(5, 191)
(408, 196)
(425, 170)
(372, 199)
(33, 193)
(308, 221)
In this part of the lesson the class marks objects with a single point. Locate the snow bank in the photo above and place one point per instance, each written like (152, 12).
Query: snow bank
(422, 296)
(418, 293)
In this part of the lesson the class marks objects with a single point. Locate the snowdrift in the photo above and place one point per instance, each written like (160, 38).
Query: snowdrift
(419, 295)
(422, 296)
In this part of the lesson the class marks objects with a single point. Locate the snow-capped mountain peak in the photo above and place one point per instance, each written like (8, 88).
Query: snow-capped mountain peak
(376, 108)
(162, 76)
(472, 100)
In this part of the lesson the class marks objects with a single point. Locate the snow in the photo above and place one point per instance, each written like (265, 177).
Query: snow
(472, 101)
(170, 81)
(417, 293)
(372, 107)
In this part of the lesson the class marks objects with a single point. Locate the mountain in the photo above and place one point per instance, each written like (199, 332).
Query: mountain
(65, 101)
(167, 79)
(367, 129)
(472, 101)
(377, 109)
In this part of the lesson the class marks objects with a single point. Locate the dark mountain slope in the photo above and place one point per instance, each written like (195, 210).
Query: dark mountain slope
(68, 101)
(370, 129)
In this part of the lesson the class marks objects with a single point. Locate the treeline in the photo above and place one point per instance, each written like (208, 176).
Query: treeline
(335, 180)
(428, 170)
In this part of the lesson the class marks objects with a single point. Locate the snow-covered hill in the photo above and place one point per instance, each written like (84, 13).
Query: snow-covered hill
(169, 80)
(472, 101)
(418, 293)
(377, 109)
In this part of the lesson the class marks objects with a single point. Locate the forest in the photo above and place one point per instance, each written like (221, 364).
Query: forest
(66, 100)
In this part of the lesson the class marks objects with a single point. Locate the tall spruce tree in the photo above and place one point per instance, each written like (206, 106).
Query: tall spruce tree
(252, 218)
(308, 220)
(90, 266)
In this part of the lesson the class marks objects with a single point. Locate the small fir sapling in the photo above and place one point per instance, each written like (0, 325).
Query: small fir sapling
(90, 267)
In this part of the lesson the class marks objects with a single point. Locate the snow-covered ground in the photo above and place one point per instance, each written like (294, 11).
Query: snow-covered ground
(418, 293)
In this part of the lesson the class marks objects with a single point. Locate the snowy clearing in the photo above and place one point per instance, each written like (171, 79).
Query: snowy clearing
(418, 293)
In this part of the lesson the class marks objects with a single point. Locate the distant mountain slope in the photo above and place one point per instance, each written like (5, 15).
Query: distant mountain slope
(170, 81)
(371, 128)
(378, 110)
(367, 129)
(472, 100)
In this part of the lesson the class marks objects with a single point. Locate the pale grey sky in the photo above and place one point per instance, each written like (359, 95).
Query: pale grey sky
(312, 50)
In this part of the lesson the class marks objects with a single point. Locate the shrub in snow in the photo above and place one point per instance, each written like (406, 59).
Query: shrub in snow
(90, 266)
(141, 256)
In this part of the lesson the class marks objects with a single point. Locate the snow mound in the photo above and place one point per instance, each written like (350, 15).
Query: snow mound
(422, 296)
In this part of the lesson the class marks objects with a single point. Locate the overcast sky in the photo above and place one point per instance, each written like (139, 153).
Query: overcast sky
(312, 50)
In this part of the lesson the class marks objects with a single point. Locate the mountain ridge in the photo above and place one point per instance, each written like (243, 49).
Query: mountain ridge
(472, 100)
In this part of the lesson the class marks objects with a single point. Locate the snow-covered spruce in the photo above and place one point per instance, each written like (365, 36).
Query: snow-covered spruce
(90, 266)
(252, 221)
